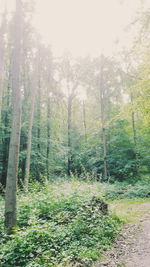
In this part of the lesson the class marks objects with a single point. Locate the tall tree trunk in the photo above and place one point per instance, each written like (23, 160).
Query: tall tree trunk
(6, 138)
(38, 126)
(69, 134)
(84, 121)
(27, 102)
(39, 119)
(27, 169)
(102, 121)
(134, 133)
(12, 172)
(71, 95)
(2, 55)
(39, 101)
(48, 135)
(49, 79)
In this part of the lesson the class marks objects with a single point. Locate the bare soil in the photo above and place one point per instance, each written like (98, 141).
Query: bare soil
(132, 247)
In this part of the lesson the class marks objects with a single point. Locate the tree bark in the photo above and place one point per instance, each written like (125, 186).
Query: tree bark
(71, 95)
(12, 172)
(69, 134)
(103, 121)
(39, 117)
(2, 55)
(39, 101)
(134, 133)
(27, 169)
(84, 121)
(48, 135)
(38, 174)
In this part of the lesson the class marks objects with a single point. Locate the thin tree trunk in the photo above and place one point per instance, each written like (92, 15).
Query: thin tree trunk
(39, 101)
(69, 134)
(39, 120)
(27, 169)
(134, 133)
(12, 172)
(2, 55)
(71, 95)
(84, 121)
(38, 125)
(103, 122)
(48, 135)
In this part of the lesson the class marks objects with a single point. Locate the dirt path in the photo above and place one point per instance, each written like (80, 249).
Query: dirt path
(132, 248)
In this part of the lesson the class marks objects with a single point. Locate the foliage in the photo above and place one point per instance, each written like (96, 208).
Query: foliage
(58, 229)
(121, 153)
(126, 102)
(140, 189)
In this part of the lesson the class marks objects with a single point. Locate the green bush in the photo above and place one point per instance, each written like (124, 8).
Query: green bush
(141, 189)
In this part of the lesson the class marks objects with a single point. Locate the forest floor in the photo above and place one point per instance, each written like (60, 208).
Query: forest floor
(132, 247)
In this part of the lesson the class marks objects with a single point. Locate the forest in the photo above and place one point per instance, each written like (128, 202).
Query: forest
(74, 138)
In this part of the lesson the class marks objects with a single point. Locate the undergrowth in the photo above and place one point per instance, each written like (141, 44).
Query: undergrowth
(62, 224)
(124, 190)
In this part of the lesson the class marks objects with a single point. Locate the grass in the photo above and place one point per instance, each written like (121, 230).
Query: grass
(130, 210)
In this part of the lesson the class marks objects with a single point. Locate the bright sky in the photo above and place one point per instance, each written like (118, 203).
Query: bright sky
(84, 26)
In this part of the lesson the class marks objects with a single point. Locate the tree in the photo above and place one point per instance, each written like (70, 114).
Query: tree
(49, 84)
(2, 56)
(84, 121)
(29, 140)
(12, 172)
(102, 118)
